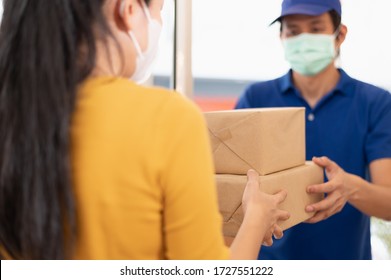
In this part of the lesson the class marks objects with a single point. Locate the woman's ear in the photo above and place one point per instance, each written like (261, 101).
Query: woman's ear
(126, 13)
(130, 17)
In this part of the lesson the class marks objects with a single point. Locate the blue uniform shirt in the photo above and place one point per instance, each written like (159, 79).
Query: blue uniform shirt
(352, 126)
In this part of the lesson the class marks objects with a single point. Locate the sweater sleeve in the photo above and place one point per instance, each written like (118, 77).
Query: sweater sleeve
(192, 225)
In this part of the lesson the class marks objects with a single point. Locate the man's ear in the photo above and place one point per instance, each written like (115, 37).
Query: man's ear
(342, 34)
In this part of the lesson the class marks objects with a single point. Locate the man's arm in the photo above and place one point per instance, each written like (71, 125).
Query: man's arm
(375, 199)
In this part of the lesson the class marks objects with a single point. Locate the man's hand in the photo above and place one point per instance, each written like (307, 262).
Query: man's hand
(338, 191)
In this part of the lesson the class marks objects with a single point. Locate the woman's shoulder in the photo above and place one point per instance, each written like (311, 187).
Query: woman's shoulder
(122, 97)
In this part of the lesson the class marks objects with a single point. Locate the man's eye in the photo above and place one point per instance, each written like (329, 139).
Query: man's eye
(317, 30)
(293, 33)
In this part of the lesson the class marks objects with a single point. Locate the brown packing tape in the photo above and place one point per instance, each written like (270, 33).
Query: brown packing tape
(295, 181)
(266, 140)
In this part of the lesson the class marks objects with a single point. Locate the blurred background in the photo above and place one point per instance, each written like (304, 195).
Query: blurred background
(233, 45)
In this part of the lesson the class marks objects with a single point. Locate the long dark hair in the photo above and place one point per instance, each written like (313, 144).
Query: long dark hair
(46, 49)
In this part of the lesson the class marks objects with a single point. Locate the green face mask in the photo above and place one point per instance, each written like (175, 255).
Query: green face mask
(309, 54)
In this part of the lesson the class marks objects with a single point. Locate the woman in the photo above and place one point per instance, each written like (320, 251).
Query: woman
(94, 166)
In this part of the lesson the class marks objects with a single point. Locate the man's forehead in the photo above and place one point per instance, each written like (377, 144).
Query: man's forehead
(306, 19)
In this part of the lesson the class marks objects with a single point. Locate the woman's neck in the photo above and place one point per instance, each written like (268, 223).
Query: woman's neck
(114, 60)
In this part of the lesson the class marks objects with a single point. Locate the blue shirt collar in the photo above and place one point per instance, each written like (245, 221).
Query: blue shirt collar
(287, 86)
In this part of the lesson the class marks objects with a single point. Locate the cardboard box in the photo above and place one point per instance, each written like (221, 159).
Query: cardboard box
(266, 140)
(295, 181)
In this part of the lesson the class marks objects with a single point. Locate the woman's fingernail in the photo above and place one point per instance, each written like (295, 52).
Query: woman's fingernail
(278, 236)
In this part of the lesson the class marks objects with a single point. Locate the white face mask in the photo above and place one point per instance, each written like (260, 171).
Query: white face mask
(144, 60)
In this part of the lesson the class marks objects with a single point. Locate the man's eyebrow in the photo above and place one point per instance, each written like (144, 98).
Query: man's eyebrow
(291, 25)
(317, 21)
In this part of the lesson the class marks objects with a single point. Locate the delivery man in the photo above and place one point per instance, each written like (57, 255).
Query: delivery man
(348, 124)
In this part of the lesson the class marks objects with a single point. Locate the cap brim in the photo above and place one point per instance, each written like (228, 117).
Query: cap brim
(303, 9)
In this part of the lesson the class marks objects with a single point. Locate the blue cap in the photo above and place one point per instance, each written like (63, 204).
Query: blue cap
(308, 7)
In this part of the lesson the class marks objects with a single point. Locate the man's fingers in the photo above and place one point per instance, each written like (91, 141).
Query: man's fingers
(321, 188)
(325, 214)
(323, 205)
(326, 163)
(322, 161)
(319, 216)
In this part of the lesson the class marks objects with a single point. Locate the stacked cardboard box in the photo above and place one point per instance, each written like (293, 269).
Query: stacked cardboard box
(272, 142)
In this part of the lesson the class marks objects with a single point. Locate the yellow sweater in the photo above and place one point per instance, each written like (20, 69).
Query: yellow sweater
(143, 175)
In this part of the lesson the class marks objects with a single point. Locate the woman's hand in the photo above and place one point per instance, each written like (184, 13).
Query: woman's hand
(261, 208)
(338, 190)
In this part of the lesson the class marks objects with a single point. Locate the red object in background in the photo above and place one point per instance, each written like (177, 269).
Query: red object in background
(208, 104)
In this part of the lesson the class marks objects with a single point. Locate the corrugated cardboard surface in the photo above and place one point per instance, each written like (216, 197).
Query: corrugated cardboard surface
(295, 181)
(266, 140)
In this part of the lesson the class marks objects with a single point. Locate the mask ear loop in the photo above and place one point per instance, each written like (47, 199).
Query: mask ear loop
(136, 44)
(337, 32)
(336, 36)
(146, 11)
